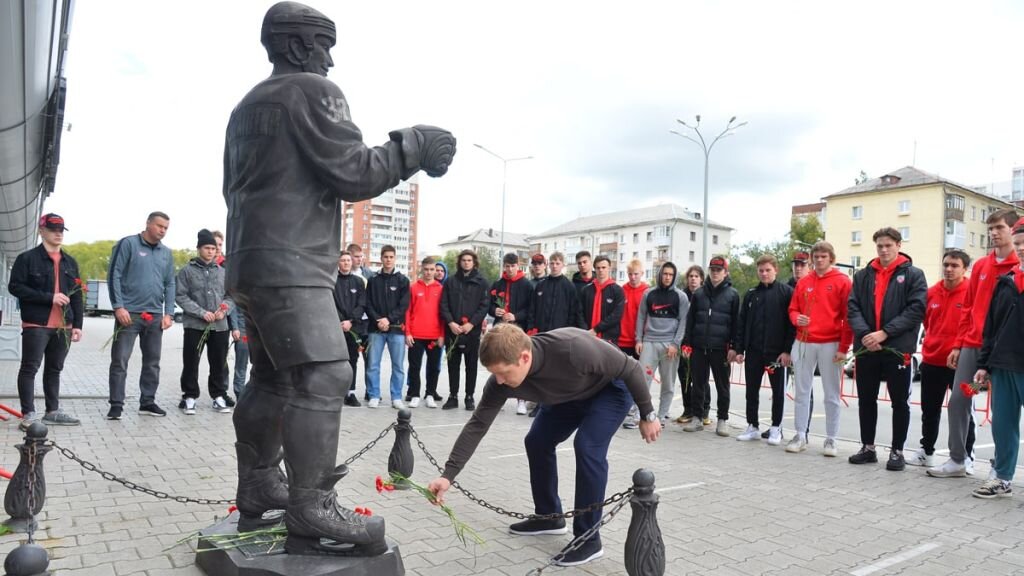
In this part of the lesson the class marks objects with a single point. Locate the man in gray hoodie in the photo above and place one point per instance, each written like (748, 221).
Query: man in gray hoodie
(660, 324)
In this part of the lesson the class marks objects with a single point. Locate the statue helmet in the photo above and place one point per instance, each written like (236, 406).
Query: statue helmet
(286, 19)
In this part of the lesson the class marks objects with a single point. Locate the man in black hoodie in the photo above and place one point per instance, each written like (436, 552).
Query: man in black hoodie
(510, 294)
(764, 338)
(603, 302)
(711, 330)
(885, 311)
(387, 299)
(464, 304)
(555, 301)
(350, 301)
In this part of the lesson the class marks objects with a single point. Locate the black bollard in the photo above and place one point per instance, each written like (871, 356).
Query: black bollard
(645, 549)
(26, 491)
(27, 560)
(401, 459)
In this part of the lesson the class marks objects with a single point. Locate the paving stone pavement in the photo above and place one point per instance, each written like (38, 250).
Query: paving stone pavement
(727, 508)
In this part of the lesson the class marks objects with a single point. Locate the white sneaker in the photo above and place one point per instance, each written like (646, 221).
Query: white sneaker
(991, 471)
(797, 444)
(830, 448)
(190, 406)
(774, 436)
(751, 433)
(414, 402)
(920, 458)
(521, 408)
(398, 405)
(219, 405)
(969, 466)
(430, 402)
(373, 403)
(722, 428)
(949, 469)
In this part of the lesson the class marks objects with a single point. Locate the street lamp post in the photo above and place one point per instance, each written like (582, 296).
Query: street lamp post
(706, 148)
(504, 173)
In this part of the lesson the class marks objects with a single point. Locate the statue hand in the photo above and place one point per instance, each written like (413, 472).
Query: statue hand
(437, 149)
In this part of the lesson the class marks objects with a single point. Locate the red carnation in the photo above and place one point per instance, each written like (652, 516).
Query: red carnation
(224, 306)
(363, 511)
(968, 390)
(494, 292)
(146, 317)
(687, 350)
(464, 319)
(383, 486)
(531, 331)
(906, 359)
(431, 345)
(245, 339)
(769, 369)
(78, 281)
(232, 508)
(501, 294)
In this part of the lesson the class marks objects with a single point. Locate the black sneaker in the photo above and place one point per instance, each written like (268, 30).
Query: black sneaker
(865, 456)
(470, 404)
(352, 401)
(589, 551)
(765, 434)
(538, 527)
(896, 463)
(228, 401)
(451, 404)
(114, 413)
(152, 410)
(181, 404)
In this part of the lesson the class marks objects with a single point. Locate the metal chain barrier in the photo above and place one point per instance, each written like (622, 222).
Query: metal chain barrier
(578, 542)
(32, 446)
(618, 497)
(159, 493)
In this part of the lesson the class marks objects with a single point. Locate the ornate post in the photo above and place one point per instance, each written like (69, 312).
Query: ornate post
(26, 492)
(401, 458)
(645, 549)
(27, 560)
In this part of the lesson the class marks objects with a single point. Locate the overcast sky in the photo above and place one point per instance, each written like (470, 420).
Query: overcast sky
(589, 89)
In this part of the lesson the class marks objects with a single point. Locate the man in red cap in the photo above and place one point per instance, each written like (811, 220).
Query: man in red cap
(49, 291)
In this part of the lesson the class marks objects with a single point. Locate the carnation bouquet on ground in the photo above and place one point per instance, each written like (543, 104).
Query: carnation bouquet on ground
(462, 530)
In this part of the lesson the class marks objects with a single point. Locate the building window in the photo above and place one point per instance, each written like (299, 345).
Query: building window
(636, 237)
(982, 214)
(855, 261)
(650, 236)
(692, 255)
(693, 236)
(972, 239)
(904, 206)
(622, 256)
(714, 239)
(905, 232)
(855, 237)
(858, 212)
(974, 212)
(648, 256)
(622, 238)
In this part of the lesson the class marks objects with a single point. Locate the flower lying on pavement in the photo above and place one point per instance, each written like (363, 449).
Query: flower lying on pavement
(462, 530)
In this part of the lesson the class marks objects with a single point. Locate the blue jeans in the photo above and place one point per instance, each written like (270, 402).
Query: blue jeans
(395, 342)
(1007, 392)
(595, 421)
(241, 366)
(150, 336)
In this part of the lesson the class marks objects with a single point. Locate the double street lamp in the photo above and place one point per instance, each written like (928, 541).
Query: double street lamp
(700, 141)
(504, 173)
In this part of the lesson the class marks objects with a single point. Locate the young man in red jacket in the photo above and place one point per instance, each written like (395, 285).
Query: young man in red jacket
(634, 290)
(964, 356)
(823, 337)
(424, 333)
(941, 318)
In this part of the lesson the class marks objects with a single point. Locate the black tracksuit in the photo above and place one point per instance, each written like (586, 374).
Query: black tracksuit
(903, 306)
(465, 296)
(711, 330)
(554, 304)
(350, 302)
(613, 303)
(763, 333)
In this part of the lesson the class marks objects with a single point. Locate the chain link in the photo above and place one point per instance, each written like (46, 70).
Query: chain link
(617, 497)
(580, 540)
(159, 493)
(33, 445)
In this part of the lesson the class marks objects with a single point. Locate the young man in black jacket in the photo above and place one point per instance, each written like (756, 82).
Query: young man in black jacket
(464, 303)
(46, 283)
(387, 299)
(555, 300)
(510, 294)
(350, 302)
(1002, 359)
(603, 302)
(711, 325)
(764, 338)
(886, 309)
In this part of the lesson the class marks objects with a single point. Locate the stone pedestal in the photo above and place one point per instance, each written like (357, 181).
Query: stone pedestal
(253, 560)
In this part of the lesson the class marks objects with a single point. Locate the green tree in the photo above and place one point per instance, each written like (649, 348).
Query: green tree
(861, 178)
(489, 267)
(743, 263)
(806, 230)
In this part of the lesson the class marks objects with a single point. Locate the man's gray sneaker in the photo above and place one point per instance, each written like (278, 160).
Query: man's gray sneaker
(695, 425)
(722, 428)
(993, 489)
(630, 423)
(58, 418)
(28, 418)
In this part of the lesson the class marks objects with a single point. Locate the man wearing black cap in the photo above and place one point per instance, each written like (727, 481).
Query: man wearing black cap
(45, 281)
(200, 293)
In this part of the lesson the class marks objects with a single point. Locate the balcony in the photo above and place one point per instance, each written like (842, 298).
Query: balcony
(608, 248)
(955, 214)
(662, 241)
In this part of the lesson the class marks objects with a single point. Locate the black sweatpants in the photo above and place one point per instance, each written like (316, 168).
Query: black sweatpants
(755, 364)
(705, 363)
(872, 368)
(935, 380)
(433, 351)
(466, 346)
(216, 347)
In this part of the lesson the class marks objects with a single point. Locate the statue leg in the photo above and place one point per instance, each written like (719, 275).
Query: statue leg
(312, 420)
(258, 420)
